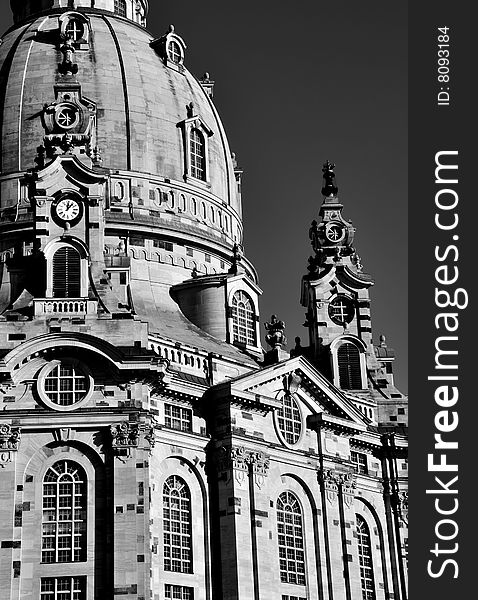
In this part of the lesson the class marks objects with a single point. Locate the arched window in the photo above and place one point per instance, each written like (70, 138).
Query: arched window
(290, 539)
(243, 319)
(174, 53)
(177, 526)
(367, 581)
(64, 513)
(350, 375)
(197, 152)
(289, 419)
(120, 8)
(66, 273)
(75, 30)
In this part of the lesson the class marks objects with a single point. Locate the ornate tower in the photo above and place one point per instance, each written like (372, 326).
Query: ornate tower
(335, 293)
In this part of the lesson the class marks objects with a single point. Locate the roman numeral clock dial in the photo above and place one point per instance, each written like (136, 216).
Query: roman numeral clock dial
(67, 212)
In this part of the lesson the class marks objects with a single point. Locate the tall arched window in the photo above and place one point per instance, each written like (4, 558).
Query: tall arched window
(291, 539)
(66, 273)
(64, 513)
(177, 526)
(367, 581)
(197, 153)
(120, 8)
(243, 319)
(350, 375)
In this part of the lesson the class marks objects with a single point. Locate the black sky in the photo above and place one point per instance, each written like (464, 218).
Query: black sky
(297, 84)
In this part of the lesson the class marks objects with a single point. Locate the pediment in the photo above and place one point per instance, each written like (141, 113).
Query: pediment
(64, 171)
(302, 379)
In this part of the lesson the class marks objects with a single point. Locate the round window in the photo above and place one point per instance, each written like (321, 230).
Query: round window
(341, 310)
(289, 420)
(64, 384)
(67, 116)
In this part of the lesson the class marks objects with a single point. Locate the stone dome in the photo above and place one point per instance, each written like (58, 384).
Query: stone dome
(146, 105)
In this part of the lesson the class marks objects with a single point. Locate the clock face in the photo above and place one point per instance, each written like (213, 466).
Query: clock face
(67, 210)
(334, 232)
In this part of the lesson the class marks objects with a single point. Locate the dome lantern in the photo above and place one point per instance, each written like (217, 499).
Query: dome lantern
(134, 10)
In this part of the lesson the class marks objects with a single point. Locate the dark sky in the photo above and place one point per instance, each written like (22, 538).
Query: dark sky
(297, 84)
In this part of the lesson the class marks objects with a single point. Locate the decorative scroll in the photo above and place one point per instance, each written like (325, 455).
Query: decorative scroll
(239, 460)
(126, 435)
(9, 442)
(334, 482)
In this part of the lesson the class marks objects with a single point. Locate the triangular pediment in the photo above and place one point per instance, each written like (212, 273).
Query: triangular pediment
(307, 384)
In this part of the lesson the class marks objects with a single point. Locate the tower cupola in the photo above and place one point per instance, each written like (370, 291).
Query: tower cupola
(134, 10)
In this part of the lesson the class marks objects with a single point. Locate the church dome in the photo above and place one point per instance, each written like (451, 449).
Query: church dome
(157, 132)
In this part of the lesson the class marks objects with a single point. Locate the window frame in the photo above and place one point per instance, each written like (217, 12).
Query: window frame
(50, 252)
(181, 419)
(367, 572)
(195, 123)
(290, 576)
(119, 6)
(283, 396)
(177, 530)
(334, 357)
(54, 596)
(66, 18)
(361, 464)
(43, 374)
(59, 506)
(251, 315)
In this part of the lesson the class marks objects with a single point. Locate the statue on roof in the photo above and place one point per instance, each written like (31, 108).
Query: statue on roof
(329, 189)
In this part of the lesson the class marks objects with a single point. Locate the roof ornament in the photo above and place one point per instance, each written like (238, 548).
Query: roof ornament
(237, 256)
(275, 336)
(190, 110)
(329, 189)
(68, 51)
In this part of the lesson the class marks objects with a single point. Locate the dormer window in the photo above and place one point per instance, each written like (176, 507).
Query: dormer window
(75, 30)
(243, 319)
(120, 8)
(197, 154)
(174, 52)
(196, 136)
(74, 26)
(171, 48)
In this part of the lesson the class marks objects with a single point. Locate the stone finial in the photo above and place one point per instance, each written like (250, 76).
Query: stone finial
(275, 333)
(190, 110)
(237, 256)
(329, 189)
(298, 350)
(383, 341)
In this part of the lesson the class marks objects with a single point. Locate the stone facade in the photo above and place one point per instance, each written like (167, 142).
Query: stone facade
(149, 447)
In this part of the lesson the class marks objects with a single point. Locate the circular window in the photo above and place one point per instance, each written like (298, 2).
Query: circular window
(289, 420)
(67, 116)
(334, 232)
(341, 310)
(64, 384)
